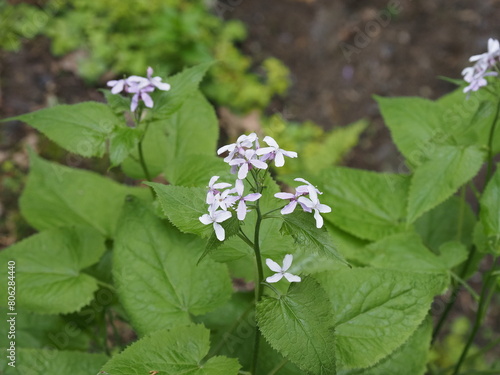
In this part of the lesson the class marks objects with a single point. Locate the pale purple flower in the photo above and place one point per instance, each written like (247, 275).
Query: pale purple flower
(242, 207)
(216, 217)
(222, 200)
(117, 85)
(141, 94)
(156, 81)
(250, 160)
(294, 199)
(314, 204)
(281, 271)
(140, 87)
(243, 142)
(492, 54)
(475, 75)
(304, 189)
(214, 188)
(274, 152)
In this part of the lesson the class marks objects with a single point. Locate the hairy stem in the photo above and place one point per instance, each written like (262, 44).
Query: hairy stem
(260, 271)
(484, 301)
(453, 296)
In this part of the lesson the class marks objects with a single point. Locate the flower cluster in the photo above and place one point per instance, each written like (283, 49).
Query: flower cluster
(140, 87)
(475, 75)
(307, 197)
(220, 201)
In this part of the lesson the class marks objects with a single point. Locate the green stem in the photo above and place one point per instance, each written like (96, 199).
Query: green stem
(465, 285)
(278, 367)
(265, 216)
(460, 222)
(489, 171)
(245, 239)
(260, 271)
(486, 294)
(258, 287)
(453, 297)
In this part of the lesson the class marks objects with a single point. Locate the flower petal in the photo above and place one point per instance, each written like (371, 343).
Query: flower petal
(292, 278)
(252, 197)
(319, 219)
(273, 266)
(271, 142)
(243, 171)
(206, 219)
(221, 216)
(284, 195)
(147, 99)
(279, 160)
(242, 210)
(274, 278)
(306, 202)
(258, 164)
(287, 262)
(289, 208)
(219, 232)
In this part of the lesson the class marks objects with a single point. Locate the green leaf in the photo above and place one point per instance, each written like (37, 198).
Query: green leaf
(196, 170)
(368, 205)
(406, 251)
(50, 287)
(39, 331)
(57, 196)
(183, 207)
(410, 358)
(298, 325)
(156, 272)
(191, 130)
(123, 142)
(451, 220)
(183, 85)
(52, 362)
(79, 128)
(449, 168)
(414, 124)
(349, 246)
(376, 310)
(302, 227)
(178, 351)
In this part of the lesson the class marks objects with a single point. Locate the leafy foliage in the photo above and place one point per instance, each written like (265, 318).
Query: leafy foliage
(55, 287)
(80, 128)
(449, 168)
(361, 203)
(158, 279)
(179, 350)
(376, 311)
(45, 361)
(57, 196)
(299, 325)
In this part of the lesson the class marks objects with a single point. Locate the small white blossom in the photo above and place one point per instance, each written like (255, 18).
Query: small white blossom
(214, 188)
(247, 163)
(274, 152)
(216, 217)
(281, 271)
(242, 207)
(475, 75)
(243, 142)
(313, 203)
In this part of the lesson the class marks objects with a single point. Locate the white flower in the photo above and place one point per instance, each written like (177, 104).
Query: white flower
(243, 141)
(214, 188)
(249, 162)
(274, 152)
(216, 217)
(242, 207)
(281, 271)
(475, 75)
(313, 203)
